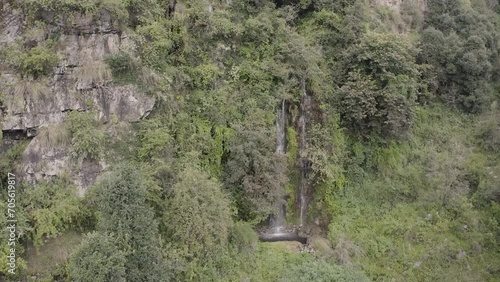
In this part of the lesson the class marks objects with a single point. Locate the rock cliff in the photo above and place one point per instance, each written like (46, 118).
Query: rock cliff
(80, 81)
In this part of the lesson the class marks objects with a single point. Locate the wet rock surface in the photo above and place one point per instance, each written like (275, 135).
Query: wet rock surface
(283, 233)
(277, 237)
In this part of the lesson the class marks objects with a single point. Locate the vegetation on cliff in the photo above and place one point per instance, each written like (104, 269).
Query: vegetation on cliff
(403, 140)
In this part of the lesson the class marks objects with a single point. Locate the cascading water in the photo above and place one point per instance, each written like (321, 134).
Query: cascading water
(279, 219)
(281, 129)
(303, 162)
(278, 232)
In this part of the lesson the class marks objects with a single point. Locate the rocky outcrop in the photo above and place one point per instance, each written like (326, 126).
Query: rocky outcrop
(10, 23)
(40, 161)
(78, 24)
(399, 4)
(28, 109)
(81, 81)
(396, 4)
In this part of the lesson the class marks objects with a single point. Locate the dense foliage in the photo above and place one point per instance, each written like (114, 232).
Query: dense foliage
(401, 141)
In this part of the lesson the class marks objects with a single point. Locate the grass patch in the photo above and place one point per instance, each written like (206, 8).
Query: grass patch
(415, 213)
(54, 136)
(42, 260)
(93, 74)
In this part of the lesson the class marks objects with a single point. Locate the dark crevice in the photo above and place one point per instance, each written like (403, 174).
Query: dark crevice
(15, 134)
(11, 138)
(277, 237)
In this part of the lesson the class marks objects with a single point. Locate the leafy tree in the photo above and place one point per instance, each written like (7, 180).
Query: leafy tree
(381, 89)
(387, 112)
(255, 175)
(125, 216)
(198, 214)
(53, 207)
(97, 259)
(382, 55)
(462, 47)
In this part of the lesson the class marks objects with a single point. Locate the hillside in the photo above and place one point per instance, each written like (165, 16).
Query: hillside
(148, 140)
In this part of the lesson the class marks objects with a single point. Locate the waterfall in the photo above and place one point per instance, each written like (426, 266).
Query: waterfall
(303, 163)
(281, 129)
(278, 230)
(279, 219)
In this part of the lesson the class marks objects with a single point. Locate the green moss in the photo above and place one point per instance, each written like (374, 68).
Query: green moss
(292, 146)
(293, 175)
(292, 214)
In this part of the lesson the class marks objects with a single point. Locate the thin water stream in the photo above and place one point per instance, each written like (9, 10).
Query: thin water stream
(278, 229)
(304, 164)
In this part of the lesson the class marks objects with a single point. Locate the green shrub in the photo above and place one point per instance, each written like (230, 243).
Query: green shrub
(123, 67)
(460, 43)
(387, 111)
(65, 9)
(35, 62)
(381, 85)
(159, 42)
(488, 133)
(125, 214)
(53, 207)
(87, 138)
(243, 237)
(204, 231)
(254, 174)
(65, 6)
(155, 144)
(323, 271)
(97, 259)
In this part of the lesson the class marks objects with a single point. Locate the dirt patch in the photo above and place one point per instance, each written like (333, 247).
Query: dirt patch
(52, 253)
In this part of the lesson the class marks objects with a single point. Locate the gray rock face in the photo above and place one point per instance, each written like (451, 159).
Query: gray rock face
(397, 4)
(80, 82)
(29, 109)
(42, 162)
(79, 24)
(10, 22)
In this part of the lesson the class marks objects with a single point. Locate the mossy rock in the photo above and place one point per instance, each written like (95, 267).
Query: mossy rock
(322, 246)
